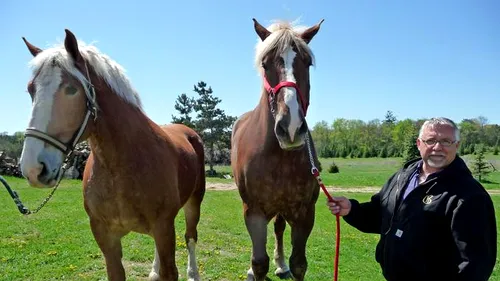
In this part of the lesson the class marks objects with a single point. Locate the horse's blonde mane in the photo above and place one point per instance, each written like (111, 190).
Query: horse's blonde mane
(112, 72)
(282, 35)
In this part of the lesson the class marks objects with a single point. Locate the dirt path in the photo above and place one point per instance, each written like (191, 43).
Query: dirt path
(332, 189)
(232, 186)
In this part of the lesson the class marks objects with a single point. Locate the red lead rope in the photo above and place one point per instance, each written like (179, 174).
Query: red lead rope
(315, 172)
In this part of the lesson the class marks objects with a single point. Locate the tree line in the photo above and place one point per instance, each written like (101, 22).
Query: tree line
(387, 137)
(12, 145)
(390, 137)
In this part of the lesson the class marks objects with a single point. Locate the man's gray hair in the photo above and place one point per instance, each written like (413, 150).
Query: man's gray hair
(440, 121)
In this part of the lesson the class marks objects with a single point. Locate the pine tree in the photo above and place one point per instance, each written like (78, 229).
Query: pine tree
(390, 118)
(480, 167)
(213, 125)
(410, 150)
(184, 105)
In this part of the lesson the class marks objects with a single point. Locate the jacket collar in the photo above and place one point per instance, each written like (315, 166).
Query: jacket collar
(456, 168)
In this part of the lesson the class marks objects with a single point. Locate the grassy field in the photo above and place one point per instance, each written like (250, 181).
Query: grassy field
(57, 244)
(373, 172)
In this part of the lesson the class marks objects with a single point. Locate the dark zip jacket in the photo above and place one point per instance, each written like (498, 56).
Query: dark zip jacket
(445, 229)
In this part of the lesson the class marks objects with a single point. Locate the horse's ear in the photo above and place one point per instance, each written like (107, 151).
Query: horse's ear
(261, 31)
(71, 46)
(33, 49)
(309, 33)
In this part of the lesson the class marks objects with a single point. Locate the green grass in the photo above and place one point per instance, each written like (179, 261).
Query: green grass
(374, 172)
(57, 244)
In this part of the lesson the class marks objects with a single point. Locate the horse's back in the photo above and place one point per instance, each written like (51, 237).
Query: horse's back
(191, 157)
(181, 135)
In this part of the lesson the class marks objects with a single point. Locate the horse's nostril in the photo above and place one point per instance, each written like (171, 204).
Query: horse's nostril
(44, 170)
(280, 129)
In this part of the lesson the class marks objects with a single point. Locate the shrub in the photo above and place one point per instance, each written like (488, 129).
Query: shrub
(333, 168)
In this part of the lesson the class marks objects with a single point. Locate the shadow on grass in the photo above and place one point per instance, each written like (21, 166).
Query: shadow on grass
(488, 181)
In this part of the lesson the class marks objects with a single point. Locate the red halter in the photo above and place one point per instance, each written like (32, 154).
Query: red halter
(273, 90)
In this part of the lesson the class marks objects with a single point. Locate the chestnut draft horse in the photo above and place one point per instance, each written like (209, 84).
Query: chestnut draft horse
(269, 158)
(138, 176)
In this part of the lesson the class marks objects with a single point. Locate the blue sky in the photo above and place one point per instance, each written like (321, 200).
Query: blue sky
(416, 58)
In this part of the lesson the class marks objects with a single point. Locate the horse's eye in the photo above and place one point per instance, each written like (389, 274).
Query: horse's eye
(70, 90)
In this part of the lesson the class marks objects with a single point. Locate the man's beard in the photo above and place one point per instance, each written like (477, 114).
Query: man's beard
(436, 161)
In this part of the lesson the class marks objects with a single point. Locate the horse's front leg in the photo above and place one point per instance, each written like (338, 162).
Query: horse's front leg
(164, 268)
(256, 224)
(282, 270)
(111, 247)
(301, 226)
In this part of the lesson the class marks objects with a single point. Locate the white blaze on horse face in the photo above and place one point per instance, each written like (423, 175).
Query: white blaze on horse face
(290, 94)
(47, 83)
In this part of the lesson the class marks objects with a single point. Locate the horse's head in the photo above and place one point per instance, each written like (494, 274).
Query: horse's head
(284, 58)
(62, 102)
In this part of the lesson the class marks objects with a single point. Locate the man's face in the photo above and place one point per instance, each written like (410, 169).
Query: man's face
(437, 146)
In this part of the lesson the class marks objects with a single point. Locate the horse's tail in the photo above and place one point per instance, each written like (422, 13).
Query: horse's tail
(197, 144)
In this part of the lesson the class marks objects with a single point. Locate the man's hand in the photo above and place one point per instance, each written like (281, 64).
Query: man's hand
(339, 205)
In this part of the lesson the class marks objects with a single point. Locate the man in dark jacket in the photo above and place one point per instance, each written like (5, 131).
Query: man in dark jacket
(435, 221)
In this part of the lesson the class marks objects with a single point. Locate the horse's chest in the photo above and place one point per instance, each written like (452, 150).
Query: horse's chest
(281, 190)
(282, 177)
(118, 209)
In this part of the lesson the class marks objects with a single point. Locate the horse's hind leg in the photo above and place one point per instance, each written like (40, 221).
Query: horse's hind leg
(192, 215)
(164, 268)
(282, 270)
(111, 247)
(256, 224)
(301, 229)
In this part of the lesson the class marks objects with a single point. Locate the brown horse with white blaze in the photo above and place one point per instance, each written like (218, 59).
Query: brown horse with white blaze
(138, 175)
(269, 158)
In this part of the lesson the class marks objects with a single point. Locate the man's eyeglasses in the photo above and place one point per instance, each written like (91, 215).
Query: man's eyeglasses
(433, 142)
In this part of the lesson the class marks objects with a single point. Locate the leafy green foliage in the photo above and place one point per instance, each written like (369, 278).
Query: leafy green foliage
(12, 146)
(390, 137)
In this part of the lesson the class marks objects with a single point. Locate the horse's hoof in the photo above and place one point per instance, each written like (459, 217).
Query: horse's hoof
(194, 277)
(283, 275)
(153, 276)
(250, 276)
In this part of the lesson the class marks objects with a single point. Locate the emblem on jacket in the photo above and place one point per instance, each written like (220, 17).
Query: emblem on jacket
(427, 199)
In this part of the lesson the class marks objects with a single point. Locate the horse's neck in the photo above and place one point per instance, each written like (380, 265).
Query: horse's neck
(121, 131)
